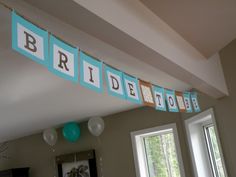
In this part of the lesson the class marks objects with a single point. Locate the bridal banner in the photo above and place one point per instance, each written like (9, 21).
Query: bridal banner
(187, 102)
(29, 40)
(63, 59)
(91, 73)
(73, 64)
(159, 95)
(171, 101)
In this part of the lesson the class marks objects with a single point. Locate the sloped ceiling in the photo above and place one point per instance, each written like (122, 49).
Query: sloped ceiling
(208, 25)
(32, 99)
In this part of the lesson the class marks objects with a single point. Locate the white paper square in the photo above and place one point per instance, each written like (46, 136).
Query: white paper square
(171, 97)
(21, 41)
(147, 94)
(120, 89)
(95, 74)
(159, 101)
(134, 89)
(180, 102)
(69, 64)
(195, 103)
(187, 103)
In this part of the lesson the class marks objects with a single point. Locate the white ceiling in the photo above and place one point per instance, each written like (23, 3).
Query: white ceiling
(209, 25)
(155, 45)
(32, 99)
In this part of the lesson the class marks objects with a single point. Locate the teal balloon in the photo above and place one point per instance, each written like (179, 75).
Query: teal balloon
(71, 132)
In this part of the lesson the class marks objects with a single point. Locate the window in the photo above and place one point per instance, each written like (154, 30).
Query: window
(214, 152)
(157, 152)
(205, 147)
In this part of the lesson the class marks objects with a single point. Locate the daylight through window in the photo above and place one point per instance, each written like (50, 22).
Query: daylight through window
(204, 143)
(157, 153)
(214, 152)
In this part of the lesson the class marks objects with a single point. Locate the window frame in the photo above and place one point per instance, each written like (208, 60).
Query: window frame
(140, 159)
(204, 119)
(210, 149)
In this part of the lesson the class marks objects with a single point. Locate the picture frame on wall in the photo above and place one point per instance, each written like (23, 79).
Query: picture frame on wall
(79, 164)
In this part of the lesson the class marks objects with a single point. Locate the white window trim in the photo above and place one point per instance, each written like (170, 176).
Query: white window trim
(140, 164)
(199, 117)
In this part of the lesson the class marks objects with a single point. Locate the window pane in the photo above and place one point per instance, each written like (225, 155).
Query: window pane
(161, 156)
(155, 157)
(216, 153)
(171, 154)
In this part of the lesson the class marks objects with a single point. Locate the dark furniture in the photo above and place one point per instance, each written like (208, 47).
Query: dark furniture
(16, 172)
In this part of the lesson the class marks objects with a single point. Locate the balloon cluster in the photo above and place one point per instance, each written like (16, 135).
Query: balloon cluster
(71, 131)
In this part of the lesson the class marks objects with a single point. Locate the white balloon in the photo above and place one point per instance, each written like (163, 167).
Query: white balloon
(96, 126)
(50, 136)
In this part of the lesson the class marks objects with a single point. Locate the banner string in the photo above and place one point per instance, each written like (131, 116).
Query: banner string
(68, 43)
(6, 6)
(59, 38)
